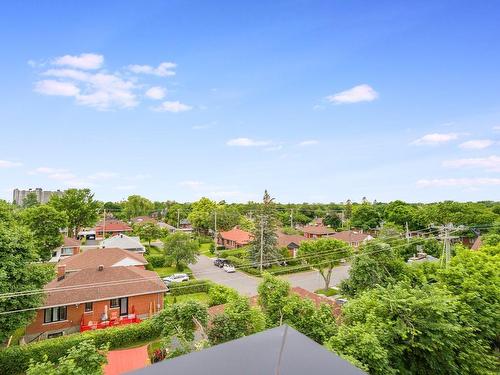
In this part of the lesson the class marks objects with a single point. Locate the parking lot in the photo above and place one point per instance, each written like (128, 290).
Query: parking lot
(247, 285)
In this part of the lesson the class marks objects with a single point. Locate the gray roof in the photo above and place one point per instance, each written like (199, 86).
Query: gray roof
(280, 350)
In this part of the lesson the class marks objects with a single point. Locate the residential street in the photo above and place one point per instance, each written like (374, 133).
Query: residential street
(247, 285)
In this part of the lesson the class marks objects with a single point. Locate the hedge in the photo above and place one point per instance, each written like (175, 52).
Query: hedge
(15, 360)
(286, 270)
(156, 260)
(238, 253)
(243, 265)
(188, 287)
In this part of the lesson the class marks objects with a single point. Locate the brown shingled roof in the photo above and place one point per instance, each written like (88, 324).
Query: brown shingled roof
(321, 230)
(124, 282)
(237, 235)
(350, 236)
(93, 258)
(286, 239)
(71, 242)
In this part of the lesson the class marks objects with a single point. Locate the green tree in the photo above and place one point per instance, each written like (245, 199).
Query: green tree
(474, 278)
(272, 291)
(180, 249)
(45, 222)
(264, 249)
(30, 200)
(365, 216)
(402, 329)
(238, 320)
(79, 206)
(324, 254)
(181, 317)
(84, 359)
(135, 205)
(148, 231)
(202, 215)
(376, 264)
(19, 273)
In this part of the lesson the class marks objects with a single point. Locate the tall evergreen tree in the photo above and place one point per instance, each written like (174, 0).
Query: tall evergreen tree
(264, 248)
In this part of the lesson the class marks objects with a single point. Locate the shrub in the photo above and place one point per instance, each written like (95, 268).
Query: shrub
(286, 270)
(220, 294)
(238, 253)
(181, 317)
(188, 287)
(15, 360)
(156, 261)
(243, 265)
(205, 239)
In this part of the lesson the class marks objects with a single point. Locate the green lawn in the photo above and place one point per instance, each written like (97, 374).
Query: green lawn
(205, 249)
(330, 292)
(153, 250)
(200, 297)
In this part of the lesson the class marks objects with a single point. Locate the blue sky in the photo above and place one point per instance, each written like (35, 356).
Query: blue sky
(316, 101)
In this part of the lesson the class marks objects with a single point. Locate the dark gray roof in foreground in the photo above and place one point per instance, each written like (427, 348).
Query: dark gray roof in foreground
(259, 354)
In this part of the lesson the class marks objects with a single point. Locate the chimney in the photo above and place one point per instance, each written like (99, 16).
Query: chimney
(101, 267)
(61, 271)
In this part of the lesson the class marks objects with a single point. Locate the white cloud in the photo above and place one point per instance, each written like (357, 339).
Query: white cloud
(174, 107)
(79, 183)
(9, 164)
(51, 87)
(193, 185)
(435, 139)
(156, 93)
(98, 90)
(310, 142)
(274, 148)
(85, 61)
(82, 77)
(490, 163)
(247, 142)
(476, 144)
(360, 93)
(54, 173)
(125, 187)
(461, 182)
(103, 175)
(165, 69)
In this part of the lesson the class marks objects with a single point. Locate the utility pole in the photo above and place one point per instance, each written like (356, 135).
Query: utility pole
(291, 218)
(445, 231)
(215, 229)
(407, 233)
(261, 241)
(104, 225)
(178, 218)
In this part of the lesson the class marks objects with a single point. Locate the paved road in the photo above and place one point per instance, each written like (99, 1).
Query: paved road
(247, 285)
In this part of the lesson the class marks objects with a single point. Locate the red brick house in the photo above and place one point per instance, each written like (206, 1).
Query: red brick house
(112, 227)
(97, 289)
(317, 231)
(291, 242)
(352, 237)
(234, 238)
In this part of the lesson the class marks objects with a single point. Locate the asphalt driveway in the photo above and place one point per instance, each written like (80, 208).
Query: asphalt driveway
(247, 285)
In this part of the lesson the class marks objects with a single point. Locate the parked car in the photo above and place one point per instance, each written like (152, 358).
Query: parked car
(229, 268)
(220, 262)
(176, 278)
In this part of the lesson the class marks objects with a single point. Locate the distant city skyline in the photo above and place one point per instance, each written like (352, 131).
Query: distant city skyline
(319, 101)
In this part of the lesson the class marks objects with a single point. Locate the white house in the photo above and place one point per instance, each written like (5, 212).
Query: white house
(122, 241)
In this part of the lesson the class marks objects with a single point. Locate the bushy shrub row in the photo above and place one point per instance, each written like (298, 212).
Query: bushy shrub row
(205, 239)
(243, 265)
(188, 287)
(220, 294)
(287, 270)
(238, 253)
(156, 260)
(15, 360)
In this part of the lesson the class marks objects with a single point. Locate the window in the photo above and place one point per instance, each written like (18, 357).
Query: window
(67, 251)
(54, 335)
(114, 303)
(55, 314)
(88, 306)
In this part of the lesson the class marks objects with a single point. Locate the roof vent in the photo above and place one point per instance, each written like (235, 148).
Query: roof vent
(101, 267)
